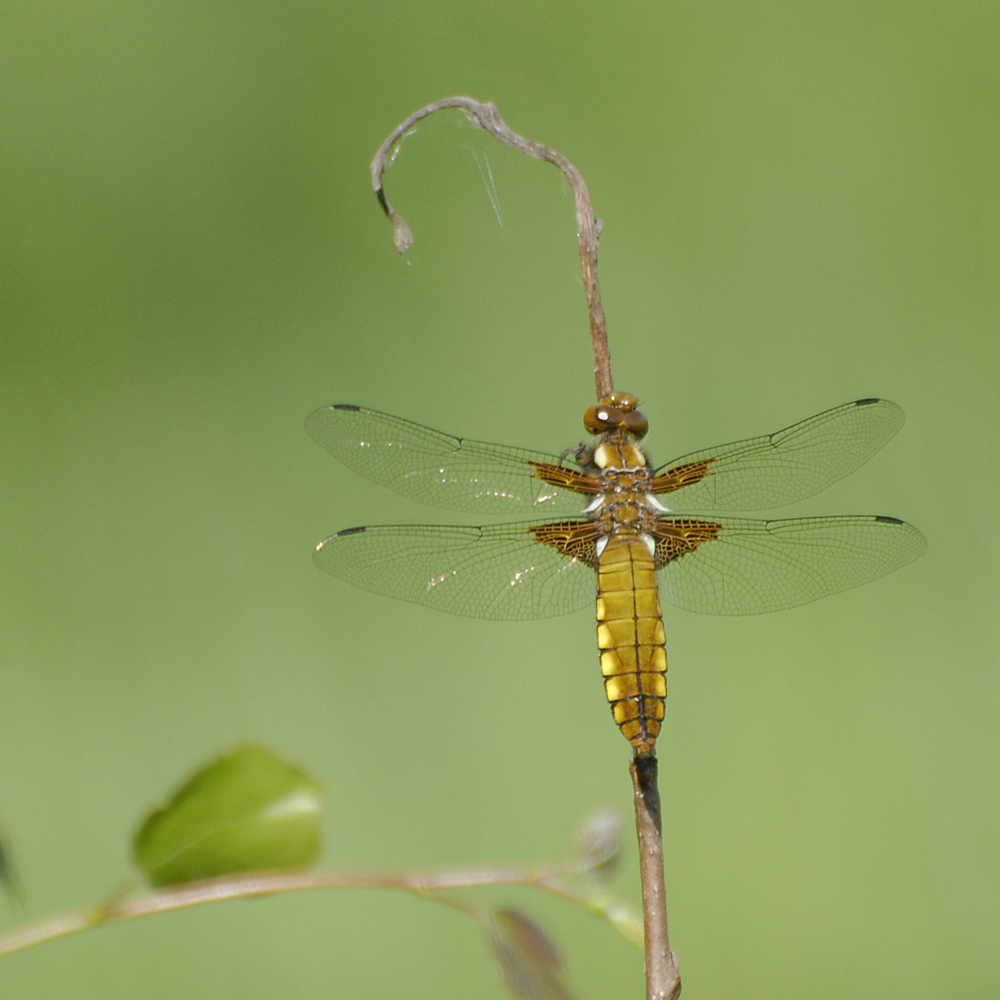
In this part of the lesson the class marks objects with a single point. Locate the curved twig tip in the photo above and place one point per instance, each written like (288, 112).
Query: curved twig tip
(486, 116)
(401, 234)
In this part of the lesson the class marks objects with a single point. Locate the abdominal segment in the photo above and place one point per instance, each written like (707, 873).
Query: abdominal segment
(631, 640)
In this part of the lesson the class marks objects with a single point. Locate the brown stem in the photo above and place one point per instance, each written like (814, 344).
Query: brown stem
(588, 231)
(663, 981)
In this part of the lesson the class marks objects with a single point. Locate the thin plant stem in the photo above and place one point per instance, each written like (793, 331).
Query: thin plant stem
(588, 229)
(662, 977)
(663, 980)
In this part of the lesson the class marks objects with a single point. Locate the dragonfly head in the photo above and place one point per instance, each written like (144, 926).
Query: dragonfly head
(616, 411)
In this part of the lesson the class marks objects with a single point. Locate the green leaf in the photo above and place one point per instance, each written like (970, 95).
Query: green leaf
(527, 961)
(246, 811)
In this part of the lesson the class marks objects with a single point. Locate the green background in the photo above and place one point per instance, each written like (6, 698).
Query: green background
(800, 202)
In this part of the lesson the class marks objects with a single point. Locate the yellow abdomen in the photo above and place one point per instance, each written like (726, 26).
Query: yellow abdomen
(631, 640)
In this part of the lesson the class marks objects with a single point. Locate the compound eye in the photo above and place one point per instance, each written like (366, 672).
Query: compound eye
(636, 422)
(600, 417)
(621, 401)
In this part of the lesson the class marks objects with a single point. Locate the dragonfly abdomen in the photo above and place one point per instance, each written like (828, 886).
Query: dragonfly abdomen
(630, 637)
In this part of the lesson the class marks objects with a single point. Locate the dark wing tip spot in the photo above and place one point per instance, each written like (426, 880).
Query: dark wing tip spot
(868, 401)
(349, 531)
(886, 519)
(345, 406)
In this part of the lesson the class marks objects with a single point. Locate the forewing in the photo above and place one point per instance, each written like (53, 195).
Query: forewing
(445, 471)
(784, 467)
(505, 572)
(738, 566)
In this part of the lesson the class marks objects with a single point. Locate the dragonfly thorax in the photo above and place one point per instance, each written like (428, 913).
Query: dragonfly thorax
(618, 455)
(624, 501)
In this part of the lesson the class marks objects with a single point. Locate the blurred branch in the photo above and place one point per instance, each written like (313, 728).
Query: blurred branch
(432, 886)
(486, 116)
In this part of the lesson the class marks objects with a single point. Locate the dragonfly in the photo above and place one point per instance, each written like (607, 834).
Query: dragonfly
(607, 525)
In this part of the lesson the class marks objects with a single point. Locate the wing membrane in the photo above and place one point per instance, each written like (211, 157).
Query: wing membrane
(500, 572)
(738, 566)
(784, 467)
(445, 471)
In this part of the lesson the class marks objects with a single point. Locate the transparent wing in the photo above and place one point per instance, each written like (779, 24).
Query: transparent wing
(784, 467)
(502, 572)
(737, 566)
(445, 471)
